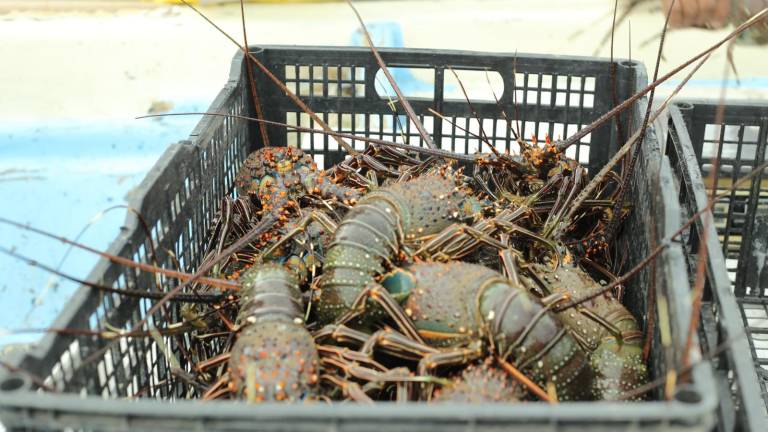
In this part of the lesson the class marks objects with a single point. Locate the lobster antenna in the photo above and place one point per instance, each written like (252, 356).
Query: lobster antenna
(624, 15)
(484, 136)
(465, 130)
(622, 151)
(292, 96)
(262, 226)
(415, 149)
(702, 253)
(498, 104)
(514, 100)
(406, 105)
(600, 289)
(563, 145)
(219, 283)
(629, 33)
(155, 295)
(51, 281)
(658, 382)
(34, 378)
(619, 126)
(251, 82)
(613, 224)
(105, 334)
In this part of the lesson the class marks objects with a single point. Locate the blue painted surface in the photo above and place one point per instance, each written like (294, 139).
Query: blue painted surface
(59, 176)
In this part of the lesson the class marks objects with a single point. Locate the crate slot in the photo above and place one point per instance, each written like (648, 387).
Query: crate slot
(414, 83)
(480, 86)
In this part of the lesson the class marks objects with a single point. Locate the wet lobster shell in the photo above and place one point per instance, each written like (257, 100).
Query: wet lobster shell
(616, 356)
(455, 304)
(274, 357)
(275, 174)
(373, 232)
(480, 383)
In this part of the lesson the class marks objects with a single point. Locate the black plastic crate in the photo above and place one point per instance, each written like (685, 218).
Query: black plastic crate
(180, 196)
(735, 296)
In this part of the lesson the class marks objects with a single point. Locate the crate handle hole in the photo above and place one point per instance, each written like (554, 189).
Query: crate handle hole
(688, 395)
(684, 105)
(11, 384)
(482, 86)
(414, 82)
(628, 63)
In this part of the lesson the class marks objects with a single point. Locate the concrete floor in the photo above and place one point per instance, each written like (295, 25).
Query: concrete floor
(117, 64)
(72, 82)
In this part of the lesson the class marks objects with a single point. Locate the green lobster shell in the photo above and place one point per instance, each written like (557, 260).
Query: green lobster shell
(373, 233)
(616, 354)
(455, 304)
(274, 357)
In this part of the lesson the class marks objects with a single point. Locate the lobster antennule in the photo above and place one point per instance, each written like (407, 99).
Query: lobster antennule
(219, 283)
(563, 145)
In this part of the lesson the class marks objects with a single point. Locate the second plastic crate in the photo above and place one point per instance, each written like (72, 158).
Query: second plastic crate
(736, 289)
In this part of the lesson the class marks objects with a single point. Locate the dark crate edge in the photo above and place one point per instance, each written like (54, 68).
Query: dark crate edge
(731, 323)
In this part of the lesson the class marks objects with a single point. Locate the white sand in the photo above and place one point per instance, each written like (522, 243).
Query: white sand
(115, 64)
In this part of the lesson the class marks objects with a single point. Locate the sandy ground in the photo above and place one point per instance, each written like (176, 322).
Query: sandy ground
(116, 64)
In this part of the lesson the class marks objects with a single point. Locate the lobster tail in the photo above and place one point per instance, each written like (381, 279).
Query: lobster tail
(605, 329)
(274, 357)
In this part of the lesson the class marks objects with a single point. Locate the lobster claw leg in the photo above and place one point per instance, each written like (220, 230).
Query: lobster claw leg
(313, 216)
(382, 297)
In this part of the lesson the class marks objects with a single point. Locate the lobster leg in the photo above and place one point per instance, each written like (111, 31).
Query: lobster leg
(350, 355)
(350, 389)
(452, 357)
(341, 333)
(389, 340)
(217, 389)
(312, 216)
(211, 362)
(381, 296)
(397, 344)
(509, 263)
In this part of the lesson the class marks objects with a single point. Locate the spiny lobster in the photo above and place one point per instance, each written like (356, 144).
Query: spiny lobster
(374, 233)
(462, 312)
(274, 357)
(602, 326)
(274, 175)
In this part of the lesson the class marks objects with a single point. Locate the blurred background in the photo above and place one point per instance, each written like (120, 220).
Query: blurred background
(75, 74)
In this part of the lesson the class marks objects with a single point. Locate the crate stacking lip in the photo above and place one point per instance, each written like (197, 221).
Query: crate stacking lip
(131, 386)
(736, 288)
